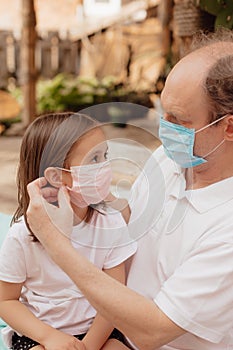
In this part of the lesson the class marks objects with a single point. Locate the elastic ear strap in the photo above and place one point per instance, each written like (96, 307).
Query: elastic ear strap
(215, 148)
(57, 167)
(214, 122)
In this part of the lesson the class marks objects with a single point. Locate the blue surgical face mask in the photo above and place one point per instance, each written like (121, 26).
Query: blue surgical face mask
(178, 143)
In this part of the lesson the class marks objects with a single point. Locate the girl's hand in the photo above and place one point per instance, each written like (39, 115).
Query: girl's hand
(43, 216)
(58, 340)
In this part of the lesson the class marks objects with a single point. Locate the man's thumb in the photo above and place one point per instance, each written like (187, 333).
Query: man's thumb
(63, 198)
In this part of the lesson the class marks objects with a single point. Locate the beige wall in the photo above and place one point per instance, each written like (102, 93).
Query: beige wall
(10, 18)
(51, 14)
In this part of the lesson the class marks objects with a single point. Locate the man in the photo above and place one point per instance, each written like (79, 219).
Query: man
(180, 290)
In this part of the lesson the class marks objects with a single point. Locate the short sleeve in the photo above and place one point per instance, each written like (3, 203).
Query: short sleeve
(12, 259)
(122, 249)
(199, 295)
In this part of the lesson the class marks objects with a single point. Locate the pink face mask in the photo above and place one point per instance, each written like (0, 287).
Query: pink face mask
(91, 183)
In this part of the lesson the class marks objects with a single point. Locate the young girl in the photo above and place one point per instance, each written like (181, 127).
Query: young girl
(42, 306)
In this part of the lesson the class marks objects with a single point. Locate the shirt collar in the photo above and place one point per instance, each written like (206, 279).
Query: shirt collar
(203, 199)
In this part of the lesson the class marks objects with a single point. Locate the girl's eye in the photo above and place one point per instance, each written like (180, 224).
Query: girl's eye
(99, 157)
(95, 159)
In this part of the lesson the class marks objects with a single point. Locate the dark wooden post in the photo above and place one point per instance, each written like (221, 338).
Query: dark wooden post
(27, 61)
(165, 15)
(188, 19)
(3, 59)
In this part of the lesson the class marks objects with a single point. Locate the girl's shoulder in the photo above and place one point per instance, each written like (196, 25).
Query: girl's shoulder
(107, 229)
(19, 231)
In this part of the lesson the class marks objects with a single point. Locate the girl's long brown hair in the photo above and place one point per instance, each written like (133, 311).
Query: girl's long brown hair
(47, 142)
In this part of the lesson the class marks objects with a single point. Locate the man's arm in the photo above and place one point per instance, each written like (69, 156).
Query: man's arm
(134, 315)
(101, 329)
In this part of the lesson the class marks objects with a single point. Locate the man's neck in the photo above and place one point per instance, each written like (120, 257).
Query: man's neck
(207, 174)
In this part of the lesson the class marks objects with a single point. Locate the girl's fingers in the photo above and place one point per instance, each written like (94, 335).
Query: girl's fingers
(80, 345)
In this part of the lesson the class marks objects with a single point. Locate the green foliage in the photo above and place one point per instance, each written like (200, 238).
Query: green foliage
(75, 93)
(222, 9)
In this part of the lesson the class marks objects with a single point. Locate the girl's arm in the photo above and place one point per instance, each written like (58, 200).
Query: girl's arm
(101, 328)
(17, 316)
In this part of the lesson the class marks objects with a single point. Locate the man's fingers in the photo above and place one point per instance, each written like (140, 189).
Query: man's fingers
(50, 194)
(34, 187)
(51, 199)
(63, 198)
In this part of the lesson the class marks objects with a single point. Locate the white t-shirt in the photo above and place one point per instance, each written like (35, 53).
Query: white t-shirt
(48, 292)
(184, 260)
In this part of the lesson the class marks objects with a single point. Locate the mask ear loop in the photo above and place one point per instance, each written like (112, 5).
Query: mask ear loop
(57, 167)
(214, 122)
(220, 144)
(213, 150)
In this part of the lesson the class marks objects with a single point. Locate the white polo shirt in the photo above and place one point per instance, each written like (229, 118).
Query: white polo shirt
(184, 260)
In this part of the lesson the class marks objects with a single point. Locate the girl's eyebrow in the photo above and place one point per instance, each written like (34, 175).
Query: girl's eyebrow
(97, 151)
(100, 150)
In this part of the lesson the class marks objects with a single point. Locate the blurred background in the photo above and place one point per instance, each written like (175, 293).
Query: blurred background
(70, 55)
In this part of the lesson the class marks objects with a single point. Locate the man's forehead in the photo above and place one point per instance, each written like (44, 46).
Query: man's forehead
(196, 64)
(189, 70)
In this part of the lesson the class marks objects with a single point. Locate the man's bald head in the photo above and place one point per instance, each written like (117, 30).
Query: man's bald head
(210, 65)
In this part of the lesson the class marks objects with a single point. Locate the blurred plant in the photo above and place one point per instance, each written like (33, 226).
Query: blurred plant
(222, 9)
(16, 92)
(66, 92)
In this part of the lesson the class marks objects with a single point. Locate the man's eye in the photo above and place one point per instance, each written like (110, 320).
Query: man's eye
(171, 118)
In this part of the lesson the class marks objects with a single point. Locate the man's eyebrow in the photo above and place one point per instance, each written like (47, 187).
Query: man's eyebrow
(163, 110)
(174, 115)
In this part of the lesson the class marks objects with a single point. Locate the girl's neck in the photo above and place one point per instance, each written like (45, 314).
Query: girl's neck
(79, 214)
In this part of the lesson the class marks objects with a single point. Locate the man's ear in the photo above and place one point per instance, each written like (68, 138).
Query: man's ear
(53, 176)
(229, 128)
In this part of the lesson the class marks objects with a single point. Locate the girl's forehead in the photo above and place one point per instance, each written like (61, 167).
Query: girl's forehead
(91, 140)
(94, 135)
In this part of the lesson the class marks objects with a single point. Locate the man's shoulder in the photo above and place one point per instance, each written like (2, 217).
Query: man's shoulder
(158, 168)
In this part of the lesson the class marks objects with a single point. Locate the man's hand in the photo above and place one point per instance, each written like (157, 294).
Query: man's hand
(43, 216)
(50, 194)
